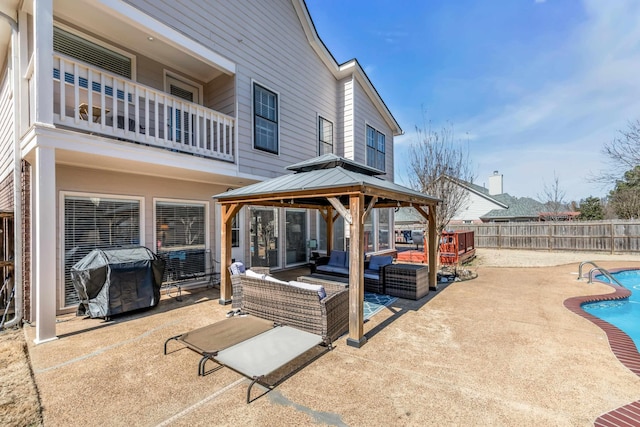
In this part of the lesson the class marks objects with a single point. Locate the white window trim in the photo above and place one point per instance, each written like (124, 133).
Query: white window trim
(61, 248)
(87, 37)
(207, 240)
(183, 83)
(253, 118)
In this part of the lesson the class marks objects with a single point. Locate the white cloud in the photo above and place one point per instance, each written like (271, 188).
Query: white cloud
(562, 125)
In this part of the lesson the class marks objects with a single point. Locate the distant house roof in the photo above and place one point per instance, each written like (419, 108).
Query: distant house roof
(523, 208)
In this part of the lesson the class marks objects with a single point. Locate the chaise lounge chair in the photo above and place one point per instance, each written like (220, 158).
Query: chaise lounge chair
(249, 345)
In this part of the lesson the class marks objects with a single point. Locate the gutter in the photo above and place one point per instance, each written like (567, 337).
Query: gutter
(17, 177)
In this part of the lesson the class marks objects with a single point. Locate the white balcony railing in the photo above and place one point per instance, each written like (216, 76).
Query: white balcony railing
(102, 103)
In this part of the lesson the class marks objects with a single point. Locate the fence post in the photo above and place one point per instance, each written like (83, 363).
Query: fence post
(550, 237)
(613, 239)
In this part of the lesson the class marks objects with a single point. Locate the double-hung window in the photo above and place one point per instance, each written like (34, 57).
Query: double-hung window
(375, 149)
(325, 136)
(265, 120)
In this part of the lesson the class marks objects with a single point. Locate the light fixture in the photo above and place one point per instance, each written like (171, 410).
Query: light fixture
(150, 38)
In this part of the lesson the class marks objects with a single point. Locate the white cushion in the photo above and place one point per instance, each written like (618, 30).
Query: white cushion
(310, 286)
(273, 279)
(251, 273)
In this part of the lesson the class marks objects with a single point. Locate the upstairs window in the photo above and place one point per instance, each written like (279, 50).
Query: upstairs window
(375, 149)
(265, 120)
(325, 136)
(94, 54)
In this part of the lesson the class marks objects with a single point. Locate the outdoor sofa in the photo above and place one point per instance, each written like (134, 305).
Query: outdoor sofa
(319, 309)
(337, 264)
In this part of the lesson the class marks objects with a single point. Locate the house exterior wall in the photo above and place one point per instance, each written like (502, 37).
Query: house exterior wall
(77, 180)
(346, 95)
(267, 44)
(365, 114)
(474, 208)
(253, 34)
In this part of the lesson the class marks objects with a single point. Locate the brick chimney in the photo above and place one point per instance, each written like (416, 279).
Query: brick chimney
(495, 184)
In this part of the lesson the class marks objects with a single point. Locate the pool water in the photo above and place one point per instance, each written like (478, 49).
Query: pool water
(625, 313)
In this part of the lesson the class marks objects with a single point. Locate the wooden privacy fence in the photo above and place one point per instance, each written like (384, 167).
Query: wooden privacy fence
(600, 236)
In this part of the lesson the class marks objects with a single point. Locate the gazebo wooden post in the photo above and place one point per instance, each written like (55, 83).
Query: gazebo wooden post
(356, 276)
(228, 212)
(433, 248)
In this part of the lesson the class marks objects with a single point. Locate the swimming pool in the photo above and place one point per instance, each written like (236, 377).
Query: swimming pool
(624, 313)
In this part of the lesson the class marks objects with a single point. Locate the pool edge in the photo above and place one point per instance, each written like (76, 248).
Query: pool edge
(622, 347)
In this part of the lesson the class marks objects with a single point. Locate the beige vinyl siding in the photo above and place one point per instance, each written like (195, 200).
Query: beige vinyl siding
(268, 45)
(365, 113)
(6, 127)
(220, 95)
(346, 117)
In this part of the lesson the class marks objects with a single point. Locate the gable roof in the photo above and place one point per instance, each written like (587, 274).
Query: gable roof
(510, 207)
(340, 71)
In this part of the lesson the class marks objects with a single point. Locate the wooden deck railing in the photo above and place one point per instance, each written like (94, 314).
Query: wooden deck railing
(102, 103)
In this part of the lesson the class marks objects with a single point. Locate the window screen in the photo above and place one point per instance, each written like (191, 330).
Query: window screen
(181, 231)
(76, 47)
(96, 223)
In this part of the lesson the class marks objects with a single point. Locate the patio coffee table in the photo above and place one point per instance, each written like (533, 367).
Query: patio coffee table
(409, 281)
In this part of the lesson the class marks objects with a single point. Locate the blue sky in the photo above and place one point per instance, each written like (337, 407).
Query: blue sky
(534, 87)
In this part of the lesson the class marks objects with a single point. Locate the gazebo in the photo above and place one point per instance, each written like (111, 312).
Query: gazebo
(334, 186)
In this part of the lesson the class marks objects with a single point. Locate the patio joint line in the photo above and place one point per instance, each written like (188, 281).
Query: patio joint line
(201, 402)
(102, 350)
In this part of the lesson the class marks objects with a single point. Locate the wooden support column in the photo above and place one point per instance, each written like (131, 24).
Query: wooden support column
(228, 212)
(433, 248)
(328, 217)
(356, 273)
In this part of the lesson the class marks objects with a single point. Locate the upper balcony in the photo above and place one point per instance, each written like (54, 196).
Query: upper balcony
(119, 73)
(95, 101)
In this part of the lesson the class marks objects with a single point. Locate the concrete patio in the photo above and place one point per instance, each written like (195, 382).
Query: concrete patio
(497, 350)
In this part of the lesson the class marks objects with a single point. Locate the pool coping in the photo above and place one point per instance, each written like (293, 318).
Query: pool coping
(621, 345)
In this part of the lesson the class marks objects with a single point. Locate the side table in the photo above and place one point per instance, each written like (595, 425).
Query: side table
(409, 281)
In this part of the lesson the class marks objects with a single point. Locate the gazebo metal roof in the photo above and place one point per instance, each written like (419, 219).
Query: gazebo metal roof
(329, 174)
(330, 183)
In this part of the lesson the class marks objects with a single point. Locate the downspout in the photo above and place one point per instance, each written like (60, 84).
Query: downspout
(17, 177)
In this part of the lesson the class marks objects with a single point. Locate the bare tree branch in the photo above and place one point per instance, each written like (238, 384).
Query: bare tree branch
(438, 163)
(623, 154)
(553, 197)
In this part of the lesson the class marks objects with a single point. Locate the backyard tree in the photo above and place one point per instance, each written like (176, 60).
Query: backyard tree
(438, 164)
(625, 197)
(591, 209)
(553, 197)
(623, 154)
